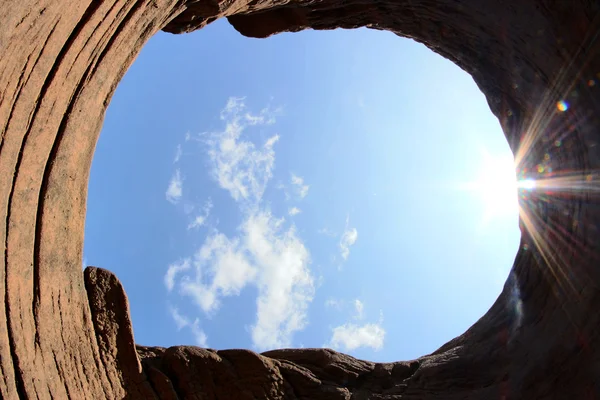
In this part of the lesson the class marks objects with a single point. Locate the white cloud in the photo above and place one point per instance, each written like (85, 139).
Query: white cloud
(200, 220)
(334, 303)
(347, 240)
(300, 187)
(236, 106)
(203, 296)
(174, 190)
(197, 222)
(172, 272)
(281, 186)
(178, 154)
(238, 165)
(180, 320)
(183, 322)
(199, 335)
(225, 264)
(264, 253)
(350, 337)
(285, 283)
(294, 211)
(359, 307)
(340, 304)
(271, 141)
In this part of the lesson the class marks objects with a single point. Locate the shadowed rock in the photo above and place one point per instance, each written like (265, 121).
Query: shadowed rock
(64, 334)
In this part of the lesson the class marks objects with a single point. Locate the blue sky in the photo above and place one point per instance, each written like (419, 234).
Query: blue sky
(348, 189)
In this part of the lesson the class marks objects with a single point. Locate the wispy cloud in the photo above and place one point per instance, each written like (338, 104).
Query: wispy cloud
(173, 270)
(348, 239)
(174, 190)
(180, 321)
(178, 153)
(264, 253)
(334, 303)
(349, 337)
(341, 304)
(294, 211)
(359, 307)
(300, 187)
(199, 335)
(327, 232)
(238, 165)
(200, 220)
(183, 322)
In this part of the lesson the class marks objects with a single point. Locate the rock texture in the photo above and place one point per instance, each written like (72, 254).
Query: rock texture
(64, 334)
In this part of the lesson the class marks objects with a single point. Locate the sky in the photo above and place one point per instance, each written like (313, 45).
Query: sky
(347, 189)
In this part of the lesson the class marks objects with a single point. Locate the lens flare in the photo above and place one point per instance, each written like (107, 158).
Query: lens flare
(562, 105)
(515, 304)
(526, 184)
(558, 190)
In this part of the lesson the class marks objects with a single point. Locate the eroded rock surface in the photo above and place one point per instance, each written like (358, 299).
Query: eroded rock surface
(63, 336)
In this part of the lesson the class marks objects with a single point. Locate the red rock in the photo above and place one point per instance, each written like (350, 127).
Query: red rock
(65, 337)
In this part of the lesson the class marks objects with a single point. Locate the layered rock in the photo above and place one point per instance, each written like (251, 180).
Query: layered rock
(66, 335)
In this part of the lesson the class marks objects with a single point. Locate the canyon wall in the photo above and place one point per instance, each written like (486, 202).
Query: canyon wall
(67, 334)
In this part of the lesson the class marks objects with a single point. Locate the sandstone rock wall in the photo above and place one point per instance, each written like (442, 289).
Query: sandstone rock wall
(64, 334)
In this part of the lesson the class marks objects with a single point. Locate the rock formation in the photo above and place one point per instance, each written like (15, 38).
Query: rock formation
(64, 334)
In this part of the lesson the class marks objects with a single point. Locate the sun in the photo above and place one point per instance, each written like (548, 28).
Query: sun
(496, 186)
